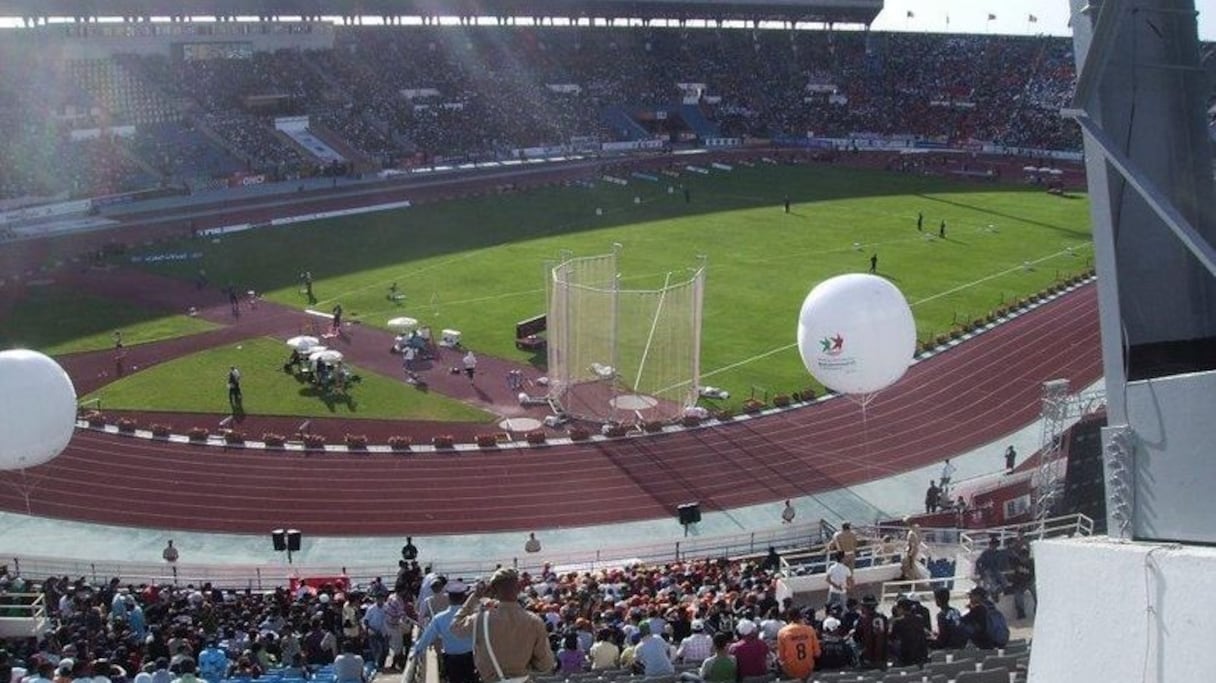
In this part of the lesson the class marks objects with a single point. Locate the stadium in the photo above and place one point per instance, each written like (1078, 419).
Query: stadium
(519, 282)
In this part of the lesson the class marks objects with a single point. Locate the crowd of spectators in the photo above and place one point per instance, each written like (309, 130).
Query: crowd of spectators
(718, 617)
(399, 92)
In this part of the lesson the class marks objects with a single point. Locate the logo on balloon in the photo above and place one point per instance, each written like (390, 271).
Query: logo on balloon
(872, 314)
(833, 346)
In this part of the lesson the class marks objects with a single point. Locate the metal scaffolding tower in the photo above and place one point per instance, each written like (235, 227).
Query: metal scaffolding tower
(1060, 410)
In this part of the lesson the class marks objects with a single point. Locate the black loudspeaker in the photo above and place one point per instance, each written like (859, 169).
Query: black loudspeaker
(690, 513)
(293, 540)
(279, 538)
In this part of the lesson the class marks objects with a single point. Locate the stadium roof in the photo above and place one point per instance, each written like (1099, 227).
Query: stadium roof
(834, 11)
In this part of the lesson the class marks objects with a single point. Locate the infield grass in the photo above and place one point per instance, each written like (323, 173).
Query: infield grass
(477, 265)
(199, 383)
(56, 322)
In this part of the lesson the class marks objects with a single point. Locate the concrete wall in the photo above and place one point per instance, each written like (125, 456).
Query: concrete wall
(1121, 611)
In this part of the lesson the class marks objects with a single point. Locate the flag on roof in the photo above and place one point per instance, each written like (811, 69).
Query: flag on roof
(910, 14)
(1034, 19)
(991, 17)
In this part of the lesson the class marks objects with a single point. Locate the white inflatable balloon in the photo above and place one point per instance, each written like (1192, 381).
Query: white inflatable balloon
(856, 333)
(39, 412)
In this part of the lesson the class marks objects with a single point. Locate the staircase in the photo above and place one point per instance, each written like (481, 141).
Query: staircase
(695, 119)
(622, 124)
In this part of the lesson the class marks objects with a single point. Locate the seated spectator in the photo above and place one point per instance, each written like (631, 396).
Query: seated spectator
(348, 666)
(721, 666)
(652, 653)
(571, 659)
(604, 653)
(835, 651)
(697, 647)
(750, 653)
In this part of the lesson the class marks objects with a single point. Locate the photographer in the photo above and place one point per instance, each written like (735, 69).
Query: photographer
(508, 641)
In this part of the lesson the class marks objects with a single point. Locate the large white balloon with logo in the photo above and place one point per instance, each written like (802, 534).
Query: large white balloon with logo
(38, 412)
(856, 334)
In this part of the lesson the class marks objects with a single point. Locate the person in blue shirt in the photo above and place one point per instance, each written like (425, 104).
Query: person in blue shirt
(136, 620)
(212, 663)
(458, 664)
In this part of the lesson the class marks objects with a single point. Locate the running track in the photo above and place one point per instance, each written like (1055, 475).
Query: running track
(952, 403)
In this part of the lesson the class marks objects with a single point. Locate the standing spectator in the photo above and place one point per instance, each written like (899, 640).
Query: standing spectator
(920, 221)
(457, 655)
(840, 579)
(992, 565)
(933, 497)
(235, 399)
(948, 470)
(697, 647)
(941, 231)
(788, 513)
(787, 203)
(375, 623)
(874, 263)
(721, 667)
(911, 553)
(1022, 566)
(1011, 457)
(797, 647)
(120, 354)
(409, 552)
(845, 541)
(169, 554)
(470, 365)
(398, 627)
(336, 326)
(511, 641)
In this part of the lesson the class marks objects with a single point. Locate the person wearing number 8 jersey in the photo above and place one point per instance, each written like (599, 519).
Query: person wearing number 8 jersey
(797, 647)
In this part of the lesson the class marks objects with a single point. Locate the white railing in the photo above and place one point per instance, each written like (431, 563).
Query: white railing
(269, 576)
(1066, 525)
(30, 622)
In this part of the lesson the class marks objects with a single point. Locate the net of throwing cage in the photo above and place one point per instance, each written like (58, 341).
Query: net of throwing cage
(618, 354)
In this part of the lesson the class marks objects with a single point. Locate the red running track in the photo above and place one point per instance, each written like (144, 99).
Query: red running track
(949, 404)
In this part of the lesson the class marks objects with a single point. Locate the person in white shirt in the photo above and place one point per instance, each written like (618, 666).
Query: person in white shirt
(948, 471)
(839, 577)
(770, 627)
(470, 365)
(44, 674)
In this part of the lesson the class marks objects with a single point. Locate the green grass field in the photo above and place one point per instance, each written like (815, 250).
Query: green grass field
(477, 265)
(198, 383)
(55, 322)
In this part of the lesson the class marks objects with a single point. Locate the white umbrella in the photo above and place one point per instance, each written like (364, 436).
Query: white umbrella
(403, 324)
(1031, 169)
(1044, 169)
(303, 343)
(1057, 171)
(326, 356)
